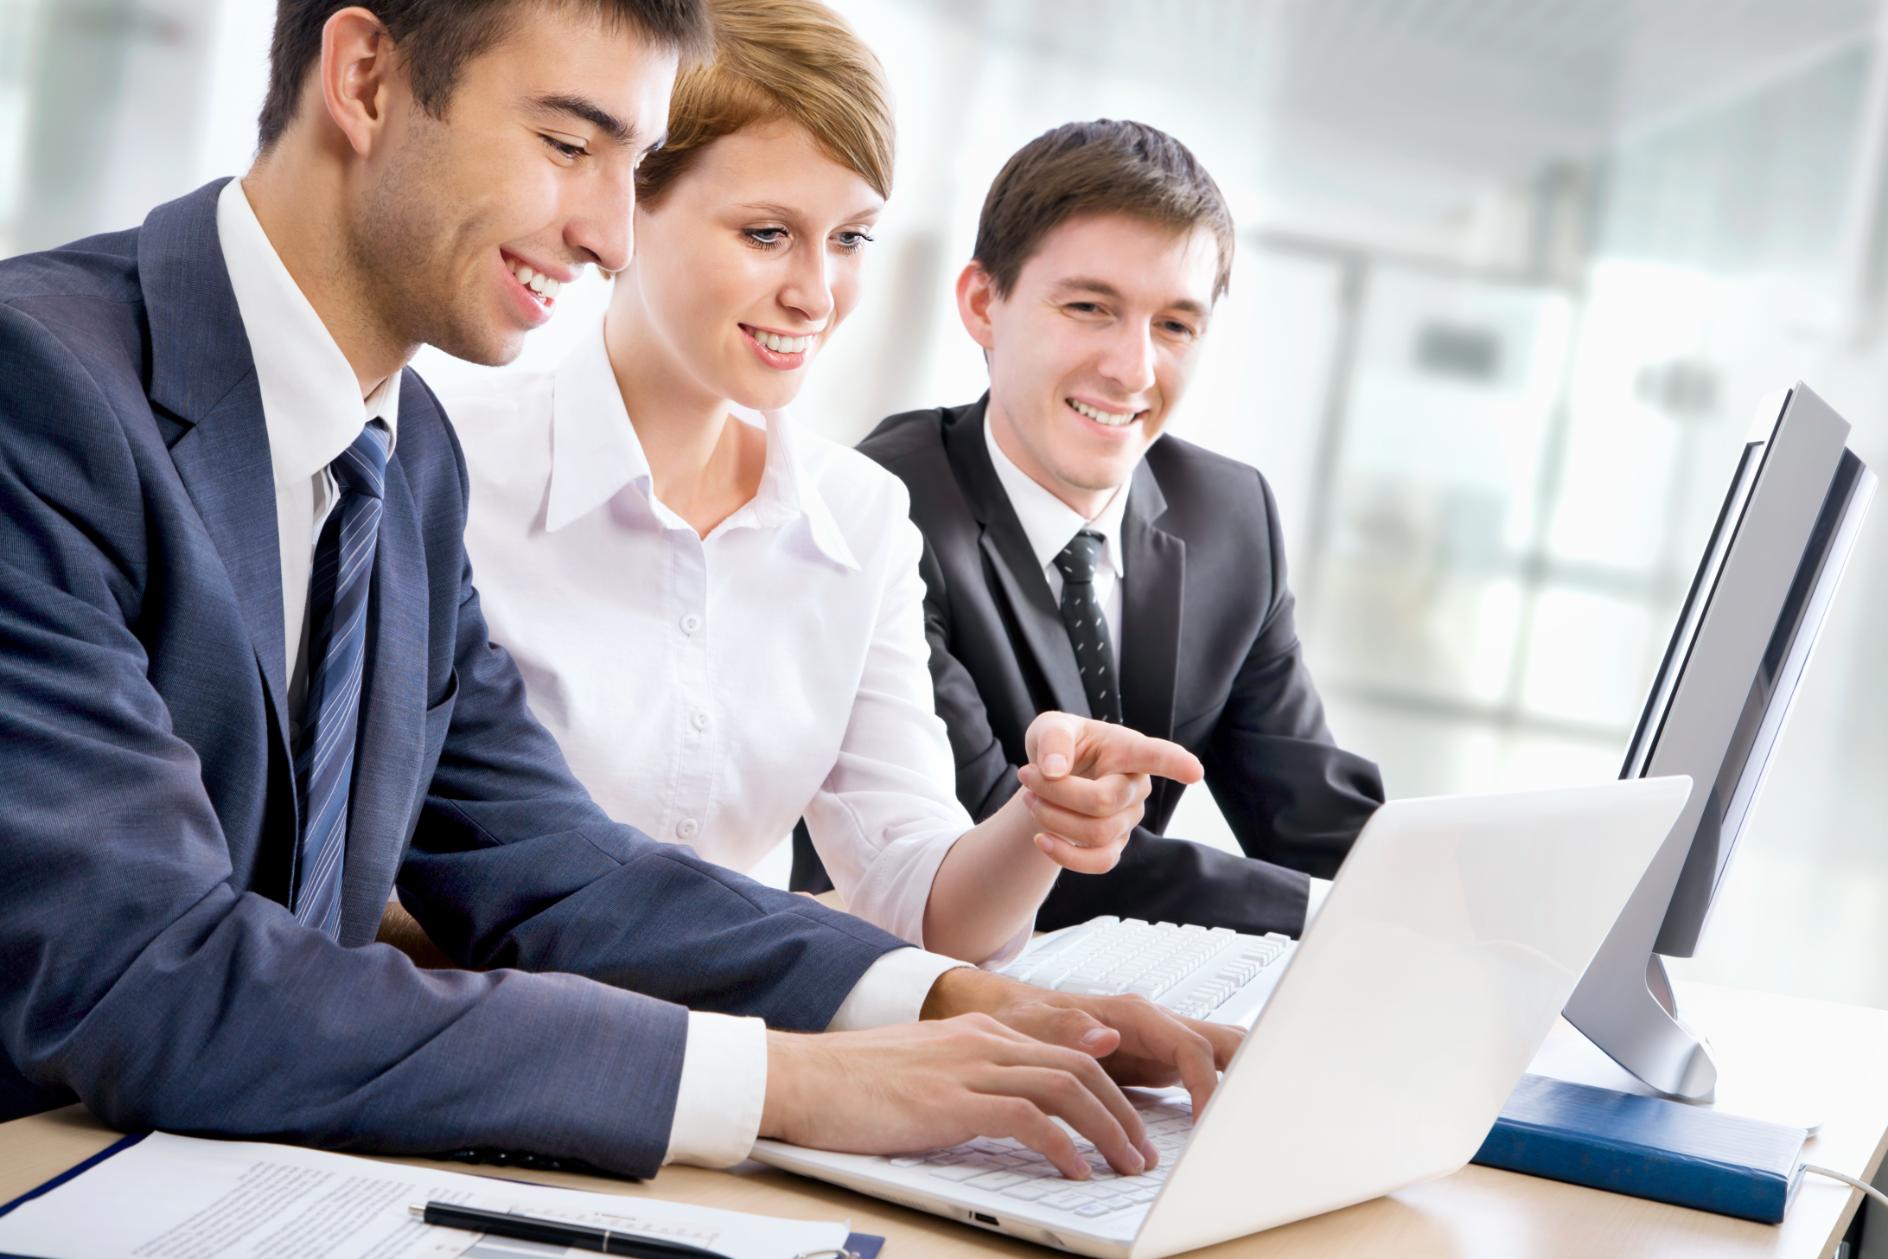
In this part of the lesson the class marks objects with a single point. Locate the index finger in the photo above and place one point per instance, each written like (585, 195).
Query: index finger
(1119, 750)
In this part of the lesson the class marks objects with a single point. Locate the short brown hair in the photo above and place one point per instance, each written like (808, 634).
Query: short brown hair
(791, 59)
(437, 37)
(1100, 167)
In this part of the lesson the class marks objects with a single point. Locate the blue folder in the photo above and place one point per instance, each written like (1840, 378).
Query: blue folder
(1648, 1147)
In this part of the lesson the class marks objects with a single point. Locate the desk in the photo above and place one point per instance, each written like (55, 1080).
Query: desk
(1476, 1212)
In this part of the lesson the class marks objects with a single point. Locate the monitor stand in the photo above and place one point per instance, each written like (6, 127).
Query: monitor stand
(1625, 1004)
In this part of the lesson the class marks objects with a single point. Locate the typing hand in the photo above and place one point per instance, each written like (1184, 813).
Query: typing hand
(923, 1086)
(1137, 1042)
(1086, 783)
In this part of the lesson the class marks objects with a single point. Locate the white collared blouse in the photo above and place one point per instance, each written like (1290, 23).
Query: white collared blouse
(712, 691)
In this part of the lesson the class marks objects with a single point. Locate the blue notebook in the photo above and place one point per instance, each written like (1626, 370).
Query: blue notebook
(1647, 1147)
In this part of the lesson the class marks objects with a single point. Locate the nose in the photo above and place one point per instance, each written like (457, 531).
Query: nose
(599, 228)
(808, 290)
(1128, 359)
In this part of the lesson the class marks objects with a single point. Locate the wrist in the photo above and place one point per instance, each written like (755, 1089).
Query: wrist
(967, 990)
(788, 1068)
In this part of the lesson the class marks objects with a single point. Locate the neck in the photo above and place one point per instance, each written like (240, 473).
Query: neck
(297, 199)
(1084, 502)
(694, 450)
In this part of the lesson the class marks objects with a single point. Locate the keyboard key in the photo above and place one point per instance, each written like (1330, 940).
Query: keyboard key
(996, 1180)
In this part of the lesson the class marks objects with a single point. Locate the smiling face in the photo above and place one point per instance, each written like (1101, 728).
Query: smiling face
(466, 225)
(1091, 351)
(744, 268)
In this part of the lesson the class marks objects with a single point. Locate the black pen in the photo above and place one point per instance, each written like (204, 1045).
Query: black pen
(557, 1233)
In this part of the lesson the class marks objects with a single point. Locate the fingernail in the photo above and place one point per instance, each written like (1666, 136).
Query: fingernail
(1055, 764)
(1096, 1037)
(1138, 1163)
(1149, 1153)
(1042, 842)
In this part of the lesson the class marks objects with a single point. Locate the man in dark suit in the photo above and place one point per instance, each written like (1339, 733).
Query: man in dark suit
(1076, 559)
(245, 685)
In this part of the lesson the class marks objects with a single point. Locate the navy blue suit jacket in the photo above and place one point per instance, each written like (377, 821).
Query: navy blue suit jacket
(148, 809)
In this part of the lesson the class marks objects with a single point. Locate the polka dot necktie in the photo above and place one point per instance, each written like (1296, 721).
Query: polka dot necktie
(1087, 627)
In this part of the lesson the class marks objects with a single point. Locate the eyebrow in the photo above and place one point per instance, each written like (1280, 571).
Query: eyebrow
(787, 212)
(602, 119)
(1101, 288)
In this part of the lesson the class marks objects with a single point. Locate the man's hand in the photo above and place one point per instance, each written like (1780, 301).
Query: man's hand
(1086, 783)
(1138, 1043)
(923, 1086)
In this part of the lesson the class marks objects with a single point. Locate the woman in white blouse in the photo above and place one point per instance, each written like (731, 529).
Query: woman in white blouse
(718, 614)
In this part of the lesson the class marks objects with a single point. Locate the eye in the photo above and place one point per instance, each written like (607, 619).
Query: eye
(764, 237)
(564, 148)
(1177, 328)
(1084, 308)
(853, 241)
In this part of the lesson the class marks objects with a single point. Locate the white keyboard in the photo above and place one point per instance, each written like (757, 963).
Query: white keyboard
(1200, 972)
(1017, 1172)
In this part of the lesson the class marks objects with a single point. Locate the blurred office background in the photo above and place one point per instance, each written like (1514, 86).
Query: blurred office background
(1512, 279)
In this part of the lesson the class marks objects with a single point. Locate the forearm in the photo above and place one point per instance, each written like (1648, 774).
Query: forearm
(989, 886)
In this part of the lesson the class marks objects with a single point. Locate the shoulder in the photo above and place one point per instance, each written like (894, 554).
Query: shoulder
(73, 355)
(908, 440)
(75, 311)
(1221, 494)
(864, 498)
(501, 420)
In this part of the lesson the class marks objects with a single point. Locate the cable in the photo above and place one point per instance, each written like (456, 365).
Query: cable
(1851, 1181)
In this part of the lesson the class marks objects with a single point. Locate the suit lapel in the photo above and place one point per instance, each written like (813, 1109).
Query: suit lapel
(1151, 602)
(1006, 549)
(393, 703)
(203, 376)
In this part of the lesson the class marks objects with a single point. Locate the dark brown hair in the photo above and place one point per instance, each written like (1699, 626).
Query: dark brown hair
(437, 37)
(1100, 167)
(788, 59)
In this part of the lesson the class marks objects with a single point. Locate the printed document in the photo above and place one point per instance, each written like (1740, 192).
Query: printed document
(170, 1197)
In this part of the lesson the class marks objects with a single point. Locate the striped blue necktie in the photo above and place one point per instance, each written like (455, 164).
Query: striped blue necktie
(337, 649)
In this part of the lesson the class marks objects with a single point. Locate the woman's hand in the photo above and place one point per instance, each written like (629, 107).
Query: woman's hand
(1086, 783)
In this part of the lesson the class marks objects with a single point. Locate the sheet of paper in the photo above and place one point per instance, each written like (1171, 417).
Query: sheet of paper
(171, 1197)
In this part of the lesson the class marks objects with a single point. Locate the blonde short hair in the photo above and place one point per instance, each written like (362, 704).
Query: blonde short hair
(779, 59)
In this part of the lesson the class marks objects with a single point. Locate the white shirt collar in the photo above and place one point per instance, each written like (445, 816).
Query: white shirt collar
(595, 453)
(311, 400)
(1049, 523)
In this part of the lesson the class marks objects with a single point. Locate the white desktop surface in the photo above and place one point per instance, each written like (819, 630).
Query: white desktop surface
(1474, 1212)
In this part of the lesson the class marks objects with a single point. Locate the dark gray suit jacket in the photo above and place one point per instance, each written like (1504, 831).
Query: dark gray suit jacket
(1210, 660)
(148, 809)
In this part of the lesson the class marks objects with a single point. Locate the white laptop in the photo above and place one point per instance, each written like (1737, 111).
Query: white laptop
(1390, 1040)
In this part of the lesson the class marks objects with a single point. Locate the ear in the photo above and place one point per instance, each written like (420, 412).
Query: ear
(356, 76)
(976, 292)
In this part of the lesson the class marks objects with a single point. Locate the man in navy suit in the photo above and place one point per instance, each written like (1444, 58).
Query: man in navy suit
(245, 686)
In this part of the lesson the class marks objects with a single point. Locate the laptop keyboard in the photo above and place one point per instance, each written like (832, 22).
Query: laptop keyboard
(1013, 1170)
(1189, 970)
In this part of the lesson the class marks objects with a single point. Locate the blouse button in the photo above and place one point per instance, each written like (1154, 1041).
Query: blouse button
(690, 623)
(698, 719)
(686, 828)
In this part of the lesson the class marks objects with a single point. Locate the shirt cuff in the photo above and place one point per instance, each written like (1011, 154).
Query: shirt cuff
(723, 1088)
(892, 990)
(1314, 899)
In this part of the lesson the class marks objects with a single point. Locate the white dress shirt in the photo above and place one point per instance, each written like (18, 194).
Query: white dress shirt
(312, 411)
(713, 691)
(311, 406)
(1051, 524)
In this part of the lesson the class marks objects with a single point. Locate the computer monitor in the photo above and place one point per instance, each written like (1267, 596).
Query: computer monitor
(1716, 710)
